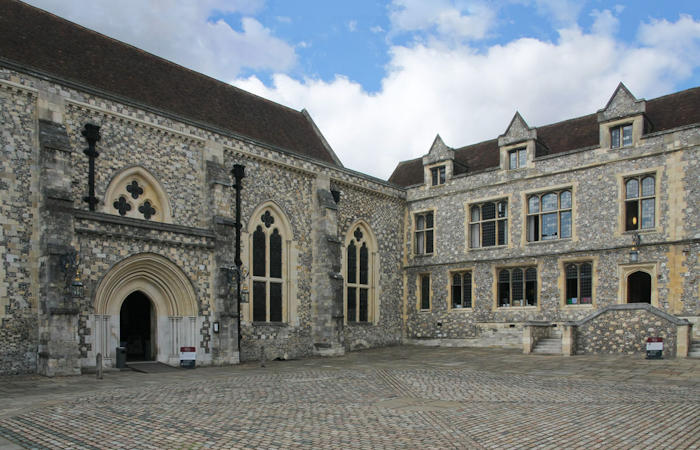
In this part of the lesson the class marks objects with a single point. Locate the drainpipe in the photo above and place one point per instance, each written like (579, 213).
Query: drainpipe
(238, 173)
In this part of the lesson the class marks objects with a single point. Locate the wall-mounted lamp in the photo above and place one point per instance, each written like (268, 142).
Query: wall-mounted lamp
(634, 253)
(76, 288)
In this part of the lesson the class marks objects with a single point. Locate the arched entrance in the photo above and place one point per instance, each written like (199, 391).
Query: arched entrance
(639, 287)
(147, 303)
(137, 327)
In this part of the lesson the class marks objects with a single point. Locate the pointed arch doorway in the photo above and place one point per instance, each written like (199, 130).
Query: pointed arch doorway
(137, 327)
(147, 304)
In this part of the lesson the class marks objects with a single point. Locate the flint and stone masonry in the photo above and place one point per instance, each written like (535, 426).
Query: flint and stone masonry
(331, 258)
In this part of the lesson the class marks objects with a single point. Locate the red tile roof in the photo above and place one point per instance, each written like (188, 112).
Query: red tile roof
(38, 40)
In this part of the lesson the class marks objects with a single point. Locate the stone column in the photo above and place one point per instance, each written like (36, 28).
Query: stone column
(528, 340)
(58, 351)
(327, 281)
(683, 340)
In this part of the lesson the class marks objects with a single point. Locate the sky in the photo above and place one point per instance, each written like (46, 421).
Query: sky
(382, 78)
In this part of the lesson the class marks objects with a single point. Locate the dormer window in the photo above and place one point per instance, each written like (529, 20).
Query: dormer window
(621, 136)
(437, 175)
(517, 158)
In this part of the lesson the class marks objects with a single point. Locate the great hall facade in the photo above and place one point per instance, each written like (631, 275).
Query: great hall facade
(119, 222)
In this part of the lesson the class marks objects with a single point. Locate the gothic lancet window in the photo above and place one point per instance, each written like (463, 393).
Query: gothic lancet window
(268, 267)
(359, 250)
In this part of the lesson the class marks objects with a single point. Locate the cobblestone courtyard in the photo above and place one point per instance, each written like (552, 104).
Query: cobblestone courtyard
(400, 397)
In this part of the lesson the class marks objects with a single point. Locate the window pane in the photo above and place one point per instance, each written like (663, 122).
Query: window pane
(420, 222)
(586, 284)
(522, 158)
(434, 175)
(627, 135)
(352, 262)
(259, 302)
(502, 209)
(549, 202)
(615, 137)
(531, 286)
(648, 186)
(488, 211)
(648, 213)
(363, 264)
(456, 296)
(425, 292)
(352, 305)
(517, 287)
(513, 160)
(467, 295)
(276, 254)
(363, 305)
(259, 253)
(275, 302)
(549, 226)
(632, 188)
(429, 220)
(533, 204)
(429, 241)
(572, 291)
(503, 294)
(571, 271)
(489, 230)
(475, 213)
(631, 217)
(420, 242)
(565, 199)
(475, 235)
(502, 232)
(442, 175)
(566, 224)
(533, 228)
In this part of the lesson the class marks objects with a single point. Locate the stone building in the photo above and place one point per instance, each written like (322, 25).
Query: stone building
(119, 224)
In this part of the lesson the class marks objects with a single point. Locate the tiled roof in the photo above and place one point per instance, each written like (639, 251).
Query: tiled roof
(41, 41)
(664, 113)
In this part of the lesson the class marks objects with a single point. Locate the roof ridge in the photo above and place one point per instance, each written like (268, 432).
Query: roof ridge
(153, 55)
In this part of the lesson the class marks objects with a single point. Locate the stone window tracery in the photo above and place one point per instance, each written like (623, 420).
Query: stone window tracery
(640, 202)
(549, 216)
(135, 193)
(267, 274)
(360, 251)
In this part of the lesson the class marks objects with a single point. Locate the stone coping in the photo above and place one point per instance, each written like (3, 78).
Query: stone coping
(127, 221)
(632, 307)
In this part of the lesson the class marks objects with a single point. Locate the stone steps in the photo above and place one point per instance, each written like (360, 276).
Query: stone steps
(550, 346)
(694, 350)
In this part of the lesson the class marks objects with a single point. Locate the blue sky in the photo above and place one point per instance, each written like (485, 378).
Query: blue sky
(382, 78)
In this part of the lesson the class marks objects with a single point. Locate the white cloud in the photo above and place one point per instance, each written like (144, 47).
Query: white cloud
(352, 25)
(563, 12)
(468, 96)
(445, 18)
(604, 22)
(179, 30)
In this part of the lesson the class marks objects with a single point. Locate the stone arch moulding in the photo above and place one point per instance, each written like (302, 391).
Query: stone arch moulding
(289, 259)
(625, 270)
(134, 192)
(174, 300)
(375, 264)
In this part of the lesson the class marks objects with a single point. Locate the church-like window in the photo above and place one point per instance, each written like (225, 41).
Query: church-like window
(136, 194)
(267, 274)
(359, 251)
(640, 203)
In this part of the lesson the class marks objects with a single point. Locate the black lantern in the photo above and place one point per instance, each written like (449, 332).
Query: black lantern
(634, 253)
(76, 288)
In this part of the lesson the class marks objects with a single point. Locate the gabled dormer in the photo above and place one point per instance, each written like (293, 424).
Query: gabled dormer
(517, 144)
(622, 121)
(438, 164)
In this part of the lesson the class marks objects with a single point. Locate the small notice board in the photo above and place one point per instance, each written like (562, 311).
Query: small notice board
(188, 356)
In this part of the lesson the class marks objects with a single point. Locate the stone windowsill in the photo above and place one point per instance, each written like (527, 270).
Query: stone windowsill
(490, 247)
(270, 324)
(549, 241)
(461, 309)
(359, 324)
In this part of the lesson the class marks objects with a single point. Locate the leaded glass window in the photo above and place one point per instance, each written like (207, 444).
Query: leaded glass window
(268, 267)
(517, 158)
(621, 136)
(517, 287)
(488, 225)
(462, 289)
(423, 240)
(437, 175)
(579, 286)
(358, 275)
(640, 202)
(549, 216)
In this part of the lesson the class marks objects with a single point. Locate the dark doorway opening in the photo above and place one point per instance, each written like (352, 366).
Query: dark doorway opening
(639, 287)
(137, 327)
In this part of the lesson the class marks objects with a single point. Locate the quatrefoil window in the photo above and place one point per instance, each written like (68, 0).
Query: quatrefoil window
(358, 235)
(147, 210)
(267, 219)
(134, 189)
(122, 206)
